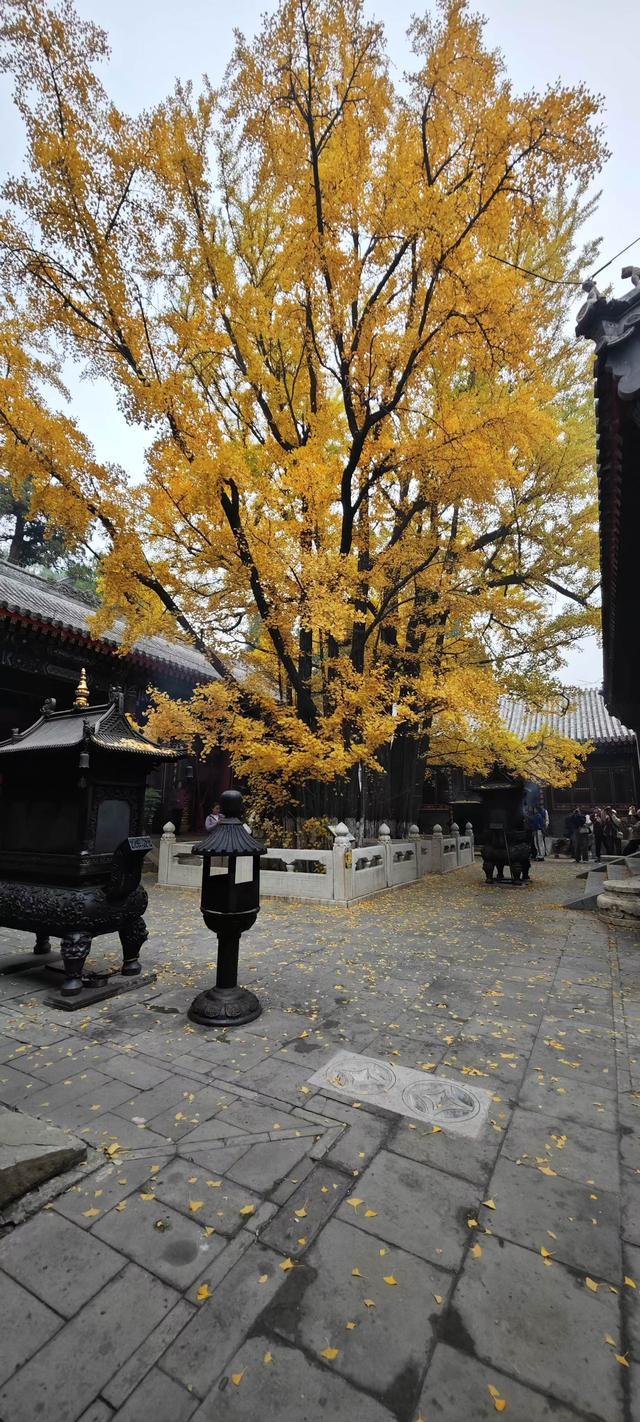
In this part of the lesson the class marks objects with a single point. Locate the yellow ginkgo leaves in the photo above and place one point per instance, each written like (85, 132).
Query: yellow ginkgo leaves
(247, 1210)
(329, 1354)
(204, 1292)
(498, 1401)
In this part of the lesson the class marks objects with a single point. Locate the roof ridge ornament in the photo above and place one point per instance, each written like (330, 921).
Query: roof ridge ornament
(81, 698)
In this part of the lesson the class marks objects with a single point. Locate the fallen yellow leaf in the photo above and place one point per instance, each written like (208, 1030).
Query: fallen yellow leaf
(214, 1184)
(236, 1378)
(354, 1201)
(591, 1284)
(369, 1303)
(370, 1214)
(287, 1264)
(355, 1272)
(204, 1292)
(389, 1279)
(546, 1253)
(247, 1210)
(473, 1224)
(620, 1358)
(195, 1205)
(611, 1341)
(301, 1214)
(490, 1204)
(147, 1195)
(90, 1214)
(350, 1325)
(263, 1278)
(268, 1357)
(438, 1298)
(122, 1206)
(546, 1170)
(476, 1251)
(631, 1283)
(329, 1353)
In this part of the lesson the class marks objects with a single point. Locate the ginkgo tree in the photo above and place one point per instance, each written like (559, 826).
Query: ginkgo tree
(368, 492)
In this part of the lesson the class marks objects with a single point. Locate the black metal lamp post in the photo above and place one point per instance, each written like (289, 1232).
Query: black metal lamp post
(230, 903)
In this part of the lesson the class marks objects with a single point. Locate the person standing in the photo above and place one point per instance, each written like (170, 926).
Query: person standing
(598, 831)
(584, 839)
(537, 821)
(575, 822)
(213, 817)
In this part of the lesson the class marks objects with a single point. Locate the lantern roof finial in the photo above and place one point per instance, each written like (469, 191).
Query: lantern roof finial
(81, 698)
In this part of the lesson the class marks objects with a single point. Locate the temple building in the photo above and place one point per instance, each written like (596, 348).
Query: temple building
(46, 639)
(614, 327)
(610, 775)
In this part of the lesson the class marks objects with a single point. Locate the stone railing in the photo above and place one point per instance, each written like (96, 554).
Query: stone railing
(342, 874)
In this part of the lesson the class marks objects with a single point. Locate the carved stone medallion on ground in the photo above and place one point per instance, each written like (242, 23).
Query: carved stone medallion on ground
(436, 1099)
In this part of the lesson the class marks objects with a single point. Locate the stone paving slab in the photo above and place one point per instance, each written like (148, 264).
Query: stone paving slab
(578, 1225)
(159, 1238)
(457, 1390)
(576, 1152)
(76, 1363)
(510, 994)
(158, 1398)
(209, 1341)
(290, 1387)
(562, 1350)
(376, 1305)
(394, 1193)
(25, 1324)
(58, 1262)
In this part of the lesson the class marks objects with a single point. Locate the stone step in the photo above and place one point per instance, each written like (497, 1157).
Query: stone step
(31, 1152)
(617, 872)
(588, 898)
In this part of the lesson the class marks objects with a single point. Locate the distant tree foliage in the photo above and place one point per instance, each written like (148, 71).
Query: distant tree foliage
(30, 541)
(368, 496)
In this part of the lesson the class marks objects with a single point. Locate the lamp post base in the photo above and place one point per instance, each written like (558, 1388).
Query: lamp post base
(224, 1007)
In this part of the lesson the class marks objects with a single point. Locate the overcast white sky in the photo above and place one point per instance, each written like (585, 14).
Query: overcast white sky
(155, 41)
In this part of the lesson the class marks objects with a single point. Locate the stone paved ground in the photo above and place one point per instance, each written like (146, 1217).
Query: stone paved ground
(211, 1261)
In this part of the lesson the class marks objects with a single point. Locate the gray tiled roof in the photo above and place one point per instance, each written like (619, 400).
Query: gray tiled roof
(586, 718)
(55, 605)
(108, 728)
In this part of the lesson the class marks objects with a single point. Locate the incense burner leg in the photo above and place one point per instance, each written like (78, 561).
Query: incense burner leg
(75, 949)
(43, 942)
(132, 935)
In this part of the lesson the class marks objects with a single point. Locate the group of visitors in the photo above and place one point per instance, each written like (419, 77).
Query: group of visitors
(601, 831)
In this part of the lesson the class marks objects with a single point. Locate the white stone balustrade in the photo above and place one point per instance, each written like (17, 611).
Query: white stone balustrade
(342, 874)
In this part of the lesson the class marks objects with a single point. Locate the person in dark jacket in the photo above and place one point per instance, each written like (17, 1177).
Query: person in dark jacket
(575, 822)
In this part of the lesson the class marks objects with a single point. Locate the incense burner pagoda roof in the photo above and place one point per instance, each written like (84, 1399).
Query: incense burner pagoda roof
(104, 727)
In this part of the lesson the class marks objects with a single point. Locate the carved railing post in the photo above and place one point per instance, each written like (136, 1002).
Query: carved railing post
(165, 856)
